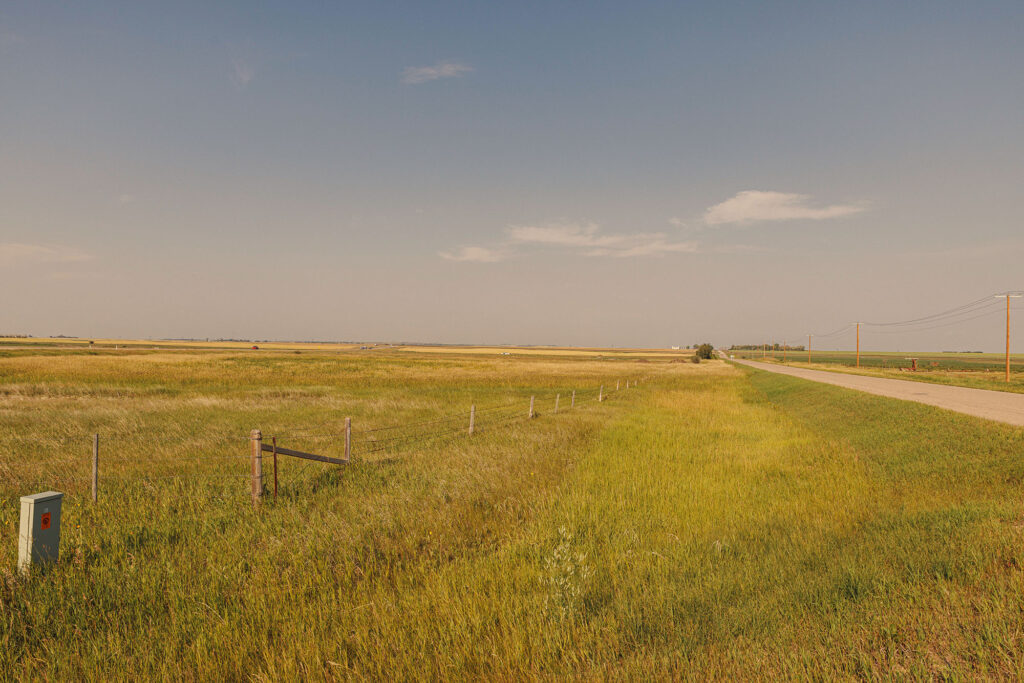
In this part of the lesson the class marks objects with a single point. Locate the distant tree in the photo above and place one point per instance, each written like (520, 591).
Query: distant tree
(705, 351)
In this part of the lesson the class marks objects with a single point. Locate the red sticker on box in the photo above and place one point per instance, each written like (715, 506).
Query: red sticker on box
(45, 520)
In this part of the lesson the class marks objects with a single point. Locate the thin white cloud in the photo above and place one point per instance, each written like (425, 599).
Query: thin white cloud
(242, 72)
(752, 206)
(21, 254)
(654, 247)
(595, 243)
(473, 254)
(413, 75)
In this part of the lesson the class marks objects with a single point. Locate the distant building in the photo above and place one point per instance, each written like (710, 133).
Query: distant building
(675, 348)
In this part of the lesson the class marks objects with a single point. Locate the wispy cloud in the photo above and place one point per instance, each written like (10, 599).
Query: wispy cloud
(589, 239)
(21, 254)
(413, 75)
(752, 206)
(242, 72)
(473, 254)
(585, 239)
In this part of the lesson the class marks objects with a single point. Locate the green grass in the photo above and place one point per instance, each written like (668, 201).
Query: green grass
(974, 370)
(712, 523)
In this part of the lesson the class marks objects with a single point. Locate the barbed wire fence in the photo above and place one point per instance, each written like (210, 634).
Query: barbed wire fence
(220, 463)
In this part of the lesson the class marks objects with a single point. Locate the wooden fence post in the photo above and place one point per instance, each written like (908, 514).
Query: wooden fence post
(557, 396)
(274, 442)
(600, 394)
(348, 439)
(95, 467)
(472, 418)
(531, 407)
(256, 437)
(573, 403)
(616, 385)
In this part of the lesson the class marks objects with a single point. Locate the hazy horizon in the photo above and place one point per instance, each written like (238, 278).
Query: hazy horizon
(642, 175)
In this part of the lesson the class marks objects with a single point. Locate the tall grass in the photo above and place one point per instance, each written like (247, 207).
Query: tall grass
(714, 523)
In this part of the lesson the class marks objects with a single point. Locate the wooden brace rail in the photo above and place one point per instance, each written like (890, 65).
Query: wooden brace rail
(268, 448)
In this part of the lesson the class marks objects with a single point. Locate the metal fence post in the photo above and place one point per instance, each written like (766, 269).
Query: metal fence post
(95, 467)
(348, 439)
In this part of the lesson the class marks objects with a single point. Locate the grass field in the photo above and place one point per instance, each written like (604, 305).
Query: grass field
(713, 522)
(976, 370)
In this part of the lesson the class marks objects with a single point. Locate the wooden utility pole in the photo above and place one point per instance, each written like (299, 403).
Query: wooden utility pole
(784, 345)
(557, 396)
(95, 467)
(809, 348)
(858, 345)
(531, 406)
(1008, 296)
(256, 437)
(572, 403)
(348, 439)
(472, 418)
(600, 394)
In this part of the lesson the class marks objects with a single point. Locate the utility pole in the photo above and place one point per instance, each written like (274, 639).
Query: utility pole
(809, 347)
(1008, 295)
(858, 345)
(784, 351)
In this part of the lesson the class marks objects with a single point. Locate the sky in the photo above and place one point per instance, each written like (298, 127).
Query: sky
(641, 174)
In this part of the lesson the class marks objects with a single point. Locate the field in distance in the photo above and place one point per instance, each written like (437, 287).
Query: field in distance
(67, 343)
(712, 521)
(975, 370)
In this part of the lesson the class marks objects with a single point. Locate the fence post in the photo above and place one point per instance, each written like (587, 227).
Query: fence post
(472, 418)
(557, 396)
(348, 439)
(600, 394)
(616, 385)
(573, 403)
(95, 467)
(274, 441)
(531, 407)
(256, 437)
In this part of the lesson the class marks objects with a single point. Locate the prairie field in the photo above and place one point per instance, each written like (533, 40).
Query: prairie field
(710, 522)
(974, 370)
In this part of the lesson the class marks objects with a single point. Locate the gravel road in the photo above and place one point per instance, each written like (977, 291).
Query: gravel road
(1001, 406)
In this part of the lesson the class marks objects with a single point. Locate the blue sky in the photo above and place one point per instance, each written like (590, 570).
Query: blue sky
(609, 174)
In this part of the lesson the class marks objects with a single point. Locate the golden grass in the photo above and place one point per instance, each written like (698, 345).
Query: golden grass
(711, 523)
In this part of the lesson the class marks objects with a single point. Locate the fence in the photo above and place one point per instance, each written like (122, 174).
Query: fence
(69, 470)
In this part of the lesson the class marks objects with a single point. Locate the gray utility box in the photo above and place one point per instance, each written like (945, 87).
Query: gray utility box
(39, 541)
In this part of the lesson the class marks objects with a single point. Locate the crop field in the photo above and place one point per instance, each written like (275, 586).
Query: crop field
(977, 370)
(711, 522)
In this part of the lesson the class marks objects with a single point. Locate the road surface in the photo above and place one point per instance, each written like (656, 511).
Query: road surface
(1001, 406)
